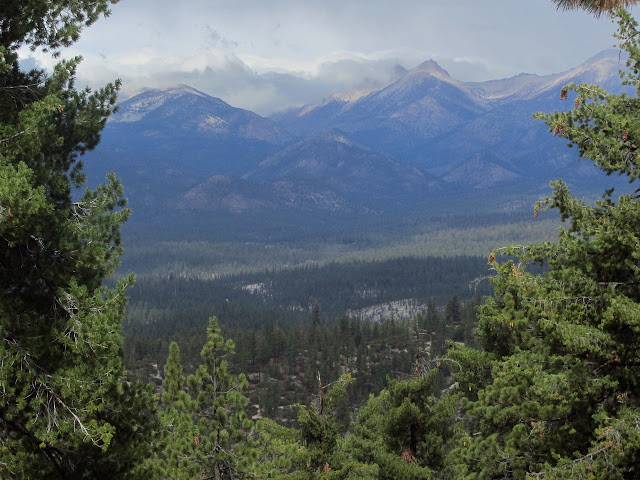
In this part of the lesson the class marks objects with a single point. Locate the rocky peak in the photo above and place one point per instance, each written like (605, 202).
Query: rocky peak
(432, 68)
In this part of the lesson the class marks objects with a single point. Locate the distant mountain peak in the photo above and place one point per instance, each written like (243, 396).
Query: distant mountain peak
(609, 54)
(182, 89)
(137, 107)
(182, 108)
(431, 67)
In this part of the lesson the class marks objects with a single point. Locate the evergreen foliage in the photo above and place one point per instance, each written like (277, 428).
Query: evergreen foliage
(597, 7)
(563, 398)
(273, 319)
(179, 430)
(222, 441)
(65, 409)
(208, 434)
(319, 427)
(404, 431)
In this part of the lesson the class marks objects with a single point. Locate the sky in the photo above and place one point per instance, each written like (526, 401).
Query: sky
(268, 55)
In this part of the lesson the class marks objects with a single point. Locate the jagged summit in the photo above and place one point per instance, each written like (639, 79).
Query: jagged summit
(431, 67)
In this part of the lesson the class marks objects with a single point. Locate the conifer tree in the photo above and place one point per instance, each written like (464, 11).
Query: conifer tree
(596, 7)
(65, 410)
(177, 424)
(563, 399)
(207, 434)
(223, 441)
(403, 432)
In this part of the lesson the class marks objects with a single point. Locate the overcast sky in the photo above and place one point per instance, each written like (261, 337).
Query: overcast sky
(265, 55)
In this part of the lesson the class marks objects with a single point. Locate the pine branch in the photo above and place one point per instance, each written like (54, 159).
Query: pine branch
(595, 7)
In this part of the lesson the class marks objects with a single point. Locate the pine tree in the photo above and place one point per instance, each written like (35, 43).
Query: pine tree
(177, 424)
(563, 399)
(65, 410)
(207, 434)
(320, 429)
(453, 319)
(224, 445)
(403, 432)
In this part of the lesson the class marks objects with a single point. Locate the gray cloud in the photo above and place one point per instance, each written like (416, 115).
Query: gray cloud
(468, 69)
(213, 38)
(271, 91)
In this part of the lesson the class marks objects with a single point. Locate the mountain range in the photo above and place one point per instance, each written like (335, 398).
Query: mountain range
(423, 136)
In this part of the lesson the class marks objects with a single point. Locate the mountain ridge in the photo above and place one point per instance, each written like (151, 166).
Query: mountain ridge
(420, 136)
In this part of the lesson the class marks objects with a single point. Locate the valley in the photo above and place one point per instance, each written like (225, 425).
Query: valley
(426, 169)
(323, 238)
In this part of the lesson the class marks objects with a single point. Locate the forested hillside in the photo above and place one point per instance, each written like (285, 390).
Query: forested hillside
(294, 317)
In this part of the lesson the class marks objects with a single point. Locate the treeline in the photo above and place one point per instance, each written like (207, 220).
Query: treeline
(283, 349)
(164, 309)
(440, 236)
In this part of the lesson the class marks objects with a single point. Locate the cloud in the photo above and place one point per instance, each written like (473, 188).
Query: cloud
(258, 84)
(472, 69)
(263, 85)
(213, 38)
